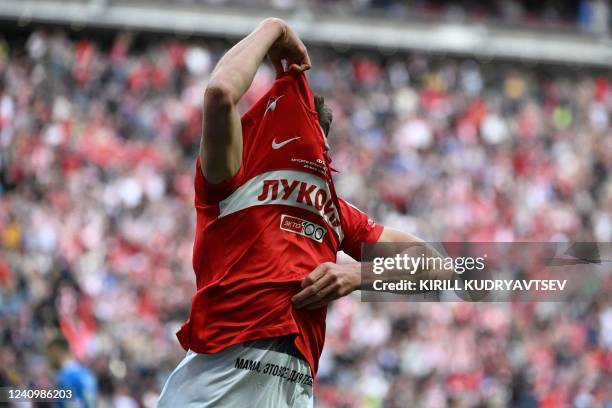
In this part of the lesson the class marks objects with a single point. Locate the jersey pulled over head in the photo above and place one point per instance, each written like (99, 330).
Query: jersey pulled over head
(259, 233)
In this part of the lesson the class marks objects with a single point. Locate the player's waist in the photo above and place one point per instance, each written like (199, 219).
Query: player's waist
(219, 319)
(280, 344)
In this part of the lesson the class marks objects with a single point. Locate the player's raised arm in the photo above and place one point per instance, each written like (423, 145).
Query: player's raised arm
(221, 145)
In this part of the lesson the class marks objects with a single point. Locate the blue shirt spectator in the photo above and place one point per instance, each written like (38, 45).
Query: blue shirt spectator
(72, 375)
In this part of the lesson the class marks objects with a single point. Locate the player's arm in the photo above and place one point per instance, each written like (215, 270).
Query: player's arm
(330, 281)
(221, 144)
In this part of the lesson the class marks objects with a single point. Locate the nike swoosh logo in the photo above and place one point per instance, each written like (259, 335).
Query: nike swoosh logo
(276, 146)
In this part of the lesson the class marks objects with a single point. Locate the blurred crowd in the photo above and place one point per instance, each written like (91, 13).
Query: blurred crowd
(588, 15)
(98, 139)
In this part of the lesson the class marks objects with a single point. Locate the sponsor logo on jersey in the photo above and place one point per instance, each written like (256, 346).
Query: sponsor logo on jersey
(302, 227)
(286, 187)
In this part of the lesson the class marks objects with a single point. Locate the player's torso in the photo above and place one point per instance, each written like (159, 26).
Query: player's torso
(282, 217)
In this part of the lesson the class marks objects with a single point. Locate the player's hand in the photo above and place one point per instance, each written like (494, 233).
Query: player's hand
(290, 48)
(327, 282)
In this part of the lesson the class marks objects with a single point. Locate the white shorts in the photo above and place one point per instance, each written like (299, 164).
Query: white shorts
(263, 373)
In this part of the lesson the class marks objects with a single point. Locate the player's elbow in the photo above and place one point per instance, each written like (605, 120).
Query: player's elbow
(218, 96)
(274, 21)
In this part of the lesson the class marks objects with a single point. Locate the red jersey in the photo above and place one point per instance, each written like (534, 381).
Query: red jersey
(261, 232)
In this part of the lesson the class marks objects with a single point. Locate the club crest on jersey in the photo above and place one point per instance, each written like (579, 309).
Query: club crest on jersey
(302, 227)
(272, 104)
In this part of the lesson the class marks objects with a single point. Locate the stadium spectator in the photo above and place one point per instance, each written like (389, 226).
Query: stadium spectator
(72, 375)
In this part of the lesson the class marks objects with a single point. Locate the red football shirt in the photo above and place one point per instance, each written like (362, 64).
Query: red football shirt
(261, 232)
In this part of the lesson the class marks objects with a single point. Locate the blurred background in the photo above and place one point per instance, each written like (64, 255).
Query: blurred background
(453, 120)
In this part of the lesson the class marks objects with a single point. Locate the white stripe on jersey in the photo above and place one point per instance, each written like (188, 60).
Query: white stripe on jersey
(285, 187)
